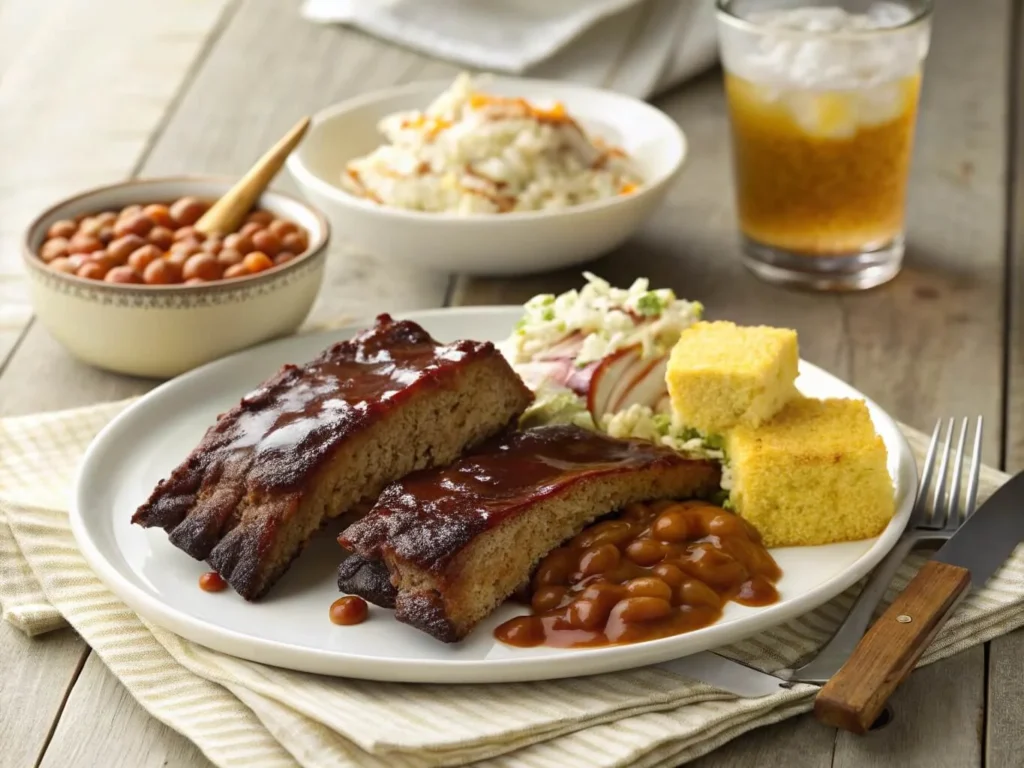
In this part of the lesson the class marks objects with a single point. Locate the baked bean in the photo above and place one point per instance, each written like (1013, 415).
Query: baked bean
(296, 242)
(62, 264)
(280, 227)
(213, 244)
(645, 551)
(165, 235)
(262, 218)
(588, 614)
(236, 270)
(180, 255)
(123, 247)
(671, 526)
(714, 567)
(160, 215)
(161, 237)
(78, 259)
(599, 559)
(634, 610)
(257, 261)
(106, 234)
(195, 281)
(162, 272)
(267, 242)
(239, 242)
(139, 224)
(555, 568)
(93, 270)
(124, 274)
(228, 257)
(129, 211)
(204, 267)
(84, 244)
(142, 257)
(696, 593)
(90, 226)
(188, 233)
(54, 248)
(187, 211)
(607, 532)
(670, 574)
(648, 586)
(63, 228)
(546, 598)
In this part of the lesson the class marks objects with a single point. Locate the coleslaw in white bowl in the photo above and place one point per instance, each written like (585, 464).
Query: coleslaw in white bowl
(492, 243)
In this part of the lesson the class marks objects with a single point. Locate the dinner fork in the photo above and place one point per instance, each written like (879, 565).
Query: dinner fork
(936, 517)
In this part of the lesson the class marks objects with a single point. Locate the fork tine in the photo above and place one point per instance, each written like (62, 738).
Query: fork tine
(958, 470)
(972, 482)
(926, 472)
(938, 512)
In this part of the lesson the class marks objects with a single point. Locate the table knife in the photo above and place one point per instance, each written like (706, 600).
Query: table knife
(854, 697)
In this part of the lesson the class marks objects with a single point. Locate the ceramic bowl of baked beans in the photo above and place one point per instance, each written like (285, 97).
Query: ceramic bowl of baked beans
(121, 277)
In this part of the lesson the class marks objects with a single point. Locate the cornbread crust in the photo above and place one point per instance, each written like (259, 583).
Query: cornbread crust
(815, 474)
(459, 540)
(314, 442)
(721, 375)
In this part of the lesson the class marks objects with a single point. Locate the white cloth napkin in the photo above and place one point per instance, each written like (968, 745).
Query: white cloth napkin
(638, 47)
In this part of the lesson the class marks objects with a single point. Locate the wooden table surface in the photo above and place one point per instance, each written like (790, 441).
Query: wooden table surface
(94, 91)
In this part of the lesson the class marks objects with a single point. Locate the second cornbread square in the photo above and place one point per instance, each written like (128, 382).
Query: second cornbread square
(722, 375)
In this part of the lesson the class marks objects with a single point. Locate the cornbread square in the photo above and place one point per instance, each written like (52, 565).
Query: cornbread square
(815, 474)
(721, 375)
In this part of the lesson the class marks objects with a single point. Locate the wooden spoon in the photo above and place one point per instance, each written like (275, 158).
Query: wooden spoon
(226, 215)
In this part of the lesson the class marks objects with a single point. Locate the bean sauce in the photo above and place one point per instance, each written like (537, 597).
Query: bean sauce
(349, 610)
(657, 570)
(212, 582)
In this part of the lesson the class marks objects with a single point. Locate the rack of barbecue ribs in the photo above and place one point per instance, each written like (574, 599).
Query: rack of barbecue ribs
(322, 440)
(456, 541)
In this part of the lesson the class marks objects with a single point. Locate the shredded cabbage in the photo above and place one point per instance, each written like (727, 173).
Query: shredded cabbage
(604, 318)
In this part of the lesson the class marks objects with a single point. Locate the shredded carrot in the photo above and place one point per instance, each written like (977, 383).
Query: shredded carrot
(627, 188)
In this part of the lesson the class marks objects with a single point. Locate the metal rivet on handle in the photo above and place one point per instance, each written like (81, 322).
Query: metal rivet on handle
(903, 619)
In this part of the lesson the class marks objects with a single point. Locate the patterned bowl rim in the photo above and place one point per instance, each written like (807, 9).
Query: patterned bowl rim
(35, 264)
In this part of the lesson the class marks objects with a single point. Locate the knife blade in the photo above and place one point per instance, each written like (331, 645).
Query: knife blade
(887, 653)
(725, 674)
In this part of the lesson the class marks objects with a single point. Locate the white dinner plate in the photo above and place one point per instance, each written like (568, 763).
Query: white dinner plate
(290, 627)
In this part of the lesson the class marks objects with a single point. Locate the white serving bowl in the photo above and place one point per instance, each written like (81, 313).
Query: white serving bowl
(163, 330)
(493, 244)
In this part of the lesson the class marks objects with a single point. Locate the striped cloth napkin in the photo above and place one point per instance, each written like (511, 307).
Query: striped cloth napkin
(241, 713)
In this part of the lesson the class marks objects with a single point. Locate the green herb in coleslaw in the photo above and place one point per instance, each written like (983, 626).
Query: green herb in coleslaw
(601, 319)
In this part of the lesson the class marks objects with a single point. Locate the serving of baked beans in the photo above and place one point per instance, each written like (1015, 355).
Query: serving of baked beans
(656, 570)
(158, 244)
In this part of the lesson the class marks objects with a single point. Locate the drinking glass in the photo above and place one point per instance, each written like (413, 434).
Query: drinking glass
(822, 102)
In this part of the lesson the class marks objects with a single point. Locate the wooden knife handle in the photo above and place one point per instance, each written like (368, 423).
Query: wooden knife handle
(856, 695)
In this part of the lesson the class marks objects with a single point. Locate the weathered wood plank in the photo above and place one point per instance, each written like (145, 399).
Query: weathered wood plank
(35, 677)
(1004, 737)
(74, 114)
(99, 707)
(802, 742)
(937, 721)
(244, 95)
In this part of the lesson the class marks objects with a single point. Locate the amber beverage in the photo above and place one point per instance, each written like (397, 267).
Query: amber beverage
(822, 105)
